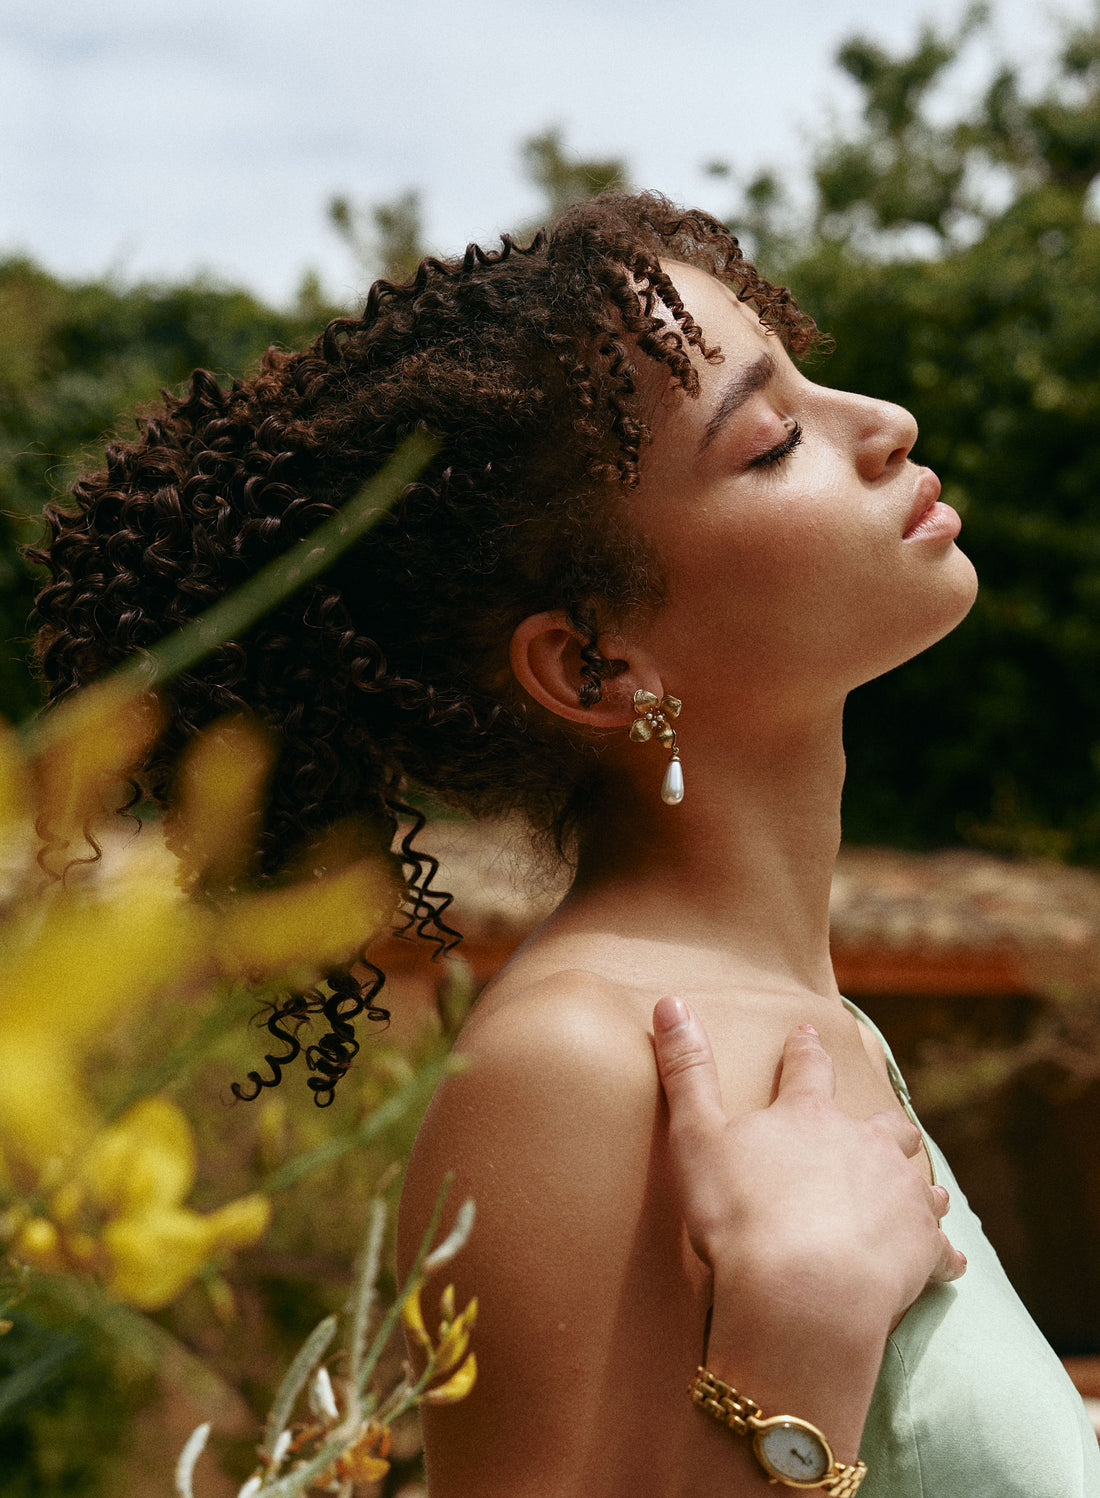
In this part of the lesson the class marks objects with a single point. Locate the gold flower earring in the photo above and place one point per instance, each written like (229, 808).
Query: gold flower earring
(652, 723)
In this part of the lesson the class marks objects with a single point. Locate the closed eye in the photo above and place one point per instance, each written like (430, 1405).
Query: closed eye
(784, 449)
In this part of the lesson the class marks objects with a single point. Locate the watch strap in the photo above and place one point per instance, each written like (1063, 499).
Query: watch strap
(743, 1415)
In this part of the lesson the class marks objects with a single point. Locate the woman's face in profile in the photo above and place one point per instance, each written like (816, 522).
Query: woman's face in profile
(803, 551)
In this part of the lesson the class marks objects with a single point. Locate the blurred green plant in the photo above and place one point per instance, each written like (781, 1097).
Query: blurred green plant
(385, 239)
(954, 258)
(147, 959)
(93, 1189)
(346, 1436)
(107, 1198)
(74, 358)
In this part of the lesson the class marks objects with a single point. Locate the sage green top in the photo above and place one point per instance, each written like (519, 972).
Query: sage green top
(971, 1401)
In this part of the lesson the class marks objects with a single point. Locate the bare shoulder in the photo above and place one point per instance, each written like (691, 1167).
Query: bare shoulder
(542, 1073)
(583, 1274)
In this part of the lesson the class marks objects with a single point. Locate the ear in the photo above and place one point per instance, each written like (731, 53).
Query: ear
(547, 662)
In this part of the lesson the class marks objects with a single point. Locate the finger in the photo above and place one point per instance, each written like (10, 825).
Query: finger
(951, 1264)
(902, 1129)
(806, 1067)
(685, 1064)
(941, 1201)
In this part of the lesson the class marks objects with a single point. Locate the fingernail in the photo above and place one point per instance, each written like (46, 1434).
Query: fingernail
(808, 1030)
(670, 1014)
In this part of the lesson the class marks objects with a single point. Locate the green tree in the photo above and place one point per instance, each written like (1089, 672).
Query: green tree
(73, 358)
(993, 340)
(385, 239)
(564, 177)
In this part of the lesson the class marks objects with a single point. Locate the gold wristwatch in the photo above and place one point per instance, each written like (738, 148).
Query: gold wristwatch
(791, 1451)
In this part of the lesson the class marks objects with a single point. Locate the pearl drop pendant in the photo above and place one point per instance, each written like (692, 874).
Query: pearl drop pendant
(672, 787)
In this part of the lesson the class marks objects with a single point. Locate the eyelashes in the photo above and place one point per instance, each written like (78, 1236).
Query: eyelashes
(783, 451)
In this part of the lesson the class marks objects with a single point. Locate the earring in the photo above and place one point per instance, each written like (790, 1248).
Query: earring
(651, 723)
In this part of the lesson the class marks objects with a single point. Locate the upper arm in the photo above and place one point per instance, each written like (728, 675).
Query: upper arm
(591, 1304)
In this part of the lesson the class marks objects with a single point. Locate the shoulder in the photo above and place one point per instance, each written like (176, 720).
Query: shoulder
(570, 1026)
(543, 1074)
(555, 1127)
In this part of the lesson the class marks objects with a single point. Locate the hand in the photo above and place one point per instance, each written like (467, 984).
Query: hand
(799, 1199)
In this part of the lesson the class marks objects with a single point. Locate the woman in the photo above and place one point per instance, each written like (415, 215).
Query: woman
(639, 503)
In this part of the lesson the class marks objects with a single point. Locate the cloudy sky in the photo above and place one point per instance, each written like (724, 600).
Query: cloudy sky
(208, 135)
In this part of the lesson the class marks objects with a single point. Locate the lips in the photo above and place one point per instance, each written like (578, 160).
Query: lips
(925, 495)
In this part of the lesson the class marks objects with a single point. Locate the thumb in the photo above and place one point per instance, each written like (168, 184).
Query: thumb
(806, 1068)
(685, 1064)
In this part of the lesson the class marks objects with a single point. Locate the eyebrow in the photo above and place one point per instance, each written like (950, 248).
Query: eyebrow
(745, 383)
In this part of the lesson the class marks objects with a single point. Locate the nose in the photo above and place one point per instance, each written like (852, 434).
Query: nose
(884, 435)
(881, 435)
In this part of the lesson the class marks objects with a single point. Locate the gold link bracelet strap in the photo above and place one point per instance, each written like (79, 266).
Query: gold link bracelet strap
(745, 1416)
(723, 1402)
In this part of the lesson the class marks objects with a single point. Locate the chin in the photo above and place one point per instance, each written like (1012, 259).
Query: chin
(966, 588)
(942, 608)
(946, 599)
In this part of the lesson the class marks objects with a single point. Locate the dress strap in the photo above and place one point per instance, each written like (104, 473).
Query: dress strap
(893, 1071)
(897, 1081)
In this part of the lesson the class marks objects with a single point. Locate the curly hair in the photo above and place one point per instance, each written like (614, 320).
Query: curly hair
(391, 670)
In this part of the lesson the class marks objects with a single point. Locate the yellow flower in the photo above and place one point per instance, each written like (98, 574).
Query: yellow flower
(122, 1213)
(39, 1243)
(216, 805)
(413, 1316)
(85, 747)
(455, 1339)
(457, 1386)
(360, 1466)
(146, 1160)
(155, 1255)
(360, 1463)
(317, 923)
(139, 1171)
(68, 973)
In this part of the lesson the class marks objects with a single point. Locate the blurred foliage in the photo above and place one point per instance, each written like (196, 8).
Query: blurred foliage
(957, 266)
(164, 1253)
(563, 176)
(74, 360)
(385, 239)
(954, 259)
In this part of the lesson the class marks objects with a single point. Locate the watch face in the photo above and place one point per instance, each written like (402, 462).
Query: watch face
(792, 1451)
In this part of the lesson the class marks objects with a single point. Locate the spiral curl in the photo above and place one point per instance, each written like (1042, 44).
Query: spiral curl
(391, 670)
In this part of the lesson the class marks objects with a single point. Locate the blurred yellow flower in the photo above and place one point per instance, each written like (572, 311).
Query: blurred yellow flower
(321, 922)
(366, 1460)
(455, 1339)
(73, 966)
(84, 749)
(448, 1352)
(215, 811)
(413, 1316)
(123, 1214)
(456, 1387)
(110, 1201)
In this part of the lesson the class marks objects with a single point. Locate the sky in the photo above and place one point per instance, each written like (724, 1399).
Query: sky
(160, 142)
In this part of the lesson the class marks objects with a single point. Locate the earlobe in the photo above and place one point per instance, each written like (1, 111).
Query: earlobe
(547, 661)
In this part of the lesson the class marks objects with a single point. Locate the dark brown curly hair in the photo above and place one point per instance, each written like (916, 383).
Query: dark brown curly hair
(391, 670)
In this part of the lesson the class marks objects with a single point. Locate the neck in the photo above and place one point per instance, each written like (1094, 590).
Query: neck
(742, 867)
